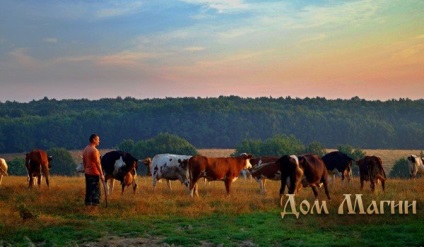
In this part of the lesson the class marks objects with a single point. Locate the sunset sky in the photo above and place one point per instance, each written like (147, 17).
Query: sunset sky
(206, 48)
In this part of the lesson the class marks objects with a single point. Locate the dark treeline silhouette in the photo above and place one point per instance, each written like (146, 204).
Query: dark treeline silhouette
(222, 122)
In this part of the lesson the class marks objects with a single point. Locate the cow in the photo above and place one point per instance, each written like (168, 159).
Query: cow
(416, 165)
(260, 172)
(121, 166)
(226, 169)
(295, 167)
(337, 162)
(3, 169)
(265, 171)
(169, 167)
(37, 164)
(371, 169)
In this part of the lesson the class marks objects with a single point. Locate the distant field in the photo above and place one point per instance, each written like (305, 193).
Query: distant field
(388, 156)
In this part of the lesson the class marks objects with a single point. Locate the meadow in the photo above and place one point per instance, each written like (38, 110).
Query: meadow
(56, 216)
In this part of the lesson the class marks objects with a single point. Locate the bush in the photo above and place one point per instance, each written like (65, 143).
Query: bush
(316, 148)
(278, 145)
(162, 143)
(62, 162)
(17, 167)
(400, 169)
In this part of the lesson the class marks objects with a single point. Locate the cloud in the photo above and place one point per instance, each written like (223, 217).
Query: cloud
(51, 40)
(221, 6)
(119, 9)
(20, 56)
(194, 48)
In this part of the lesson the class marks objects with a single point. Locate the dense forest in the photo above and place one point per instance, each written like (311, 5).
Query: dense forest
(222, 122)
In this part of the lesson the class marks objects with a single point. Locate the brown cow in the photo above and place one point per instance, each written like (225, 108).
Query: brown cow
(37, 163)
(227, 169)
(295, 167)
(265, 171)
(371, 169)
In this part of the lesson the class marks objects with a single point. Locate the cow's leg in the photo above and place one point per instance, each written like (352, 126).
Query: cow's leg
(324, 181)
(112, 184)
(154, 180)
(30, 181)
(39, 180)
(168, 182)
(372, 185)
(228, 185)
(134, 184)
(362, 183)
(314, 189)
(263, 185)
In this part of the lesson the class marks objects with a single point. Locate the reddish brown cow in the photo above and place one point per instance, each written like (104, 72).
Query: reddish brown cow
(371, 169)
(227, 169)
(37, 163)
(310, 166)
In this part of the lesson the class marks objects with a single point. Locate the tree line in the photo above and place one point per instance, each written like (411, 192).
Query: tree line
(222, 122)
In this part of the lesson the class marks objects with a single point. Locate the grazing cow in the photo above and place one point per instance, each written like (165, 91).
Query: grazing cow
(295, 167)
(338, 162)
(3, 169)
(416, 165)
(371, 169)
(37, 164)
(121, 166)
(169, 167)
(226, 169)
(265, 171)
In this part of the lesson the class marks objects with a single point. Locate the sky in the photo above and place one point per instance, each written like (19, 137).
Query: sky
(93, 49)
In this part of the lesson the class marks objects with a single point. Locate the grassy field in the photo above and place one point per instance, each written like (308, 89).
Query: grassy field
(56, 216)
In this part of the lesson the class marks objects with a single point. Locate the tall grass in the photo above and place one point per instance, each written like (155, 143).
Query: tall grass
(60, 217)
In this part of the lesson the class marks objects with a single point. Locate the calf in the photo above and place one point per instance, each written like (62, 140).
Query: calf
(169, 167)
(37, 164)
(3, 169)
(295, 167)
(371, 169)
(416, 166)
(121, 166)
(226, 169)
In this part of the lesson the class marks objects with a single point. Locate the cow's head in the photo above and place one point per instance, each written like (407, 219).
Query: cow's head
(414, 163)
(183, 165)
(247, 157)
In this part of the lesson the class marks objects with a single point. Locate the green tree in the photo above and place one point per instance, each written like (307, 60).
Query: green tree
(17, 167)
(276, 146)
(316, 148)
(400, 169)
(62, 162)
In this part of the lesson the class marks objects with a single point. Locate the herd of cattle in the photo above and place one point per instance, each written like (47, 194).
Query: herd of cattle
(294, 171)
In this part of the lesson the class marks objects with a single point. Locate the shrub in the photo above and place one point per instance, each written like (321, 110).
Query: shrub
(62, 162)
(400, 169)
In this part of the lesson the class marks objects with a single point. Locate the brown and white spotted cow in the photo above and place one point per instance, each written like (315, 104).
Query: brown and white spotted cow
(265, 171)
(37, 164)
(226, 169)
(169, 167)
(371, 169)
(121, 166)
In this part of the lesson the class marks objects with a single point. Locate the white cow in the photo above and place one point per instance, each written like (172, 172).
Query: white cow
(169, 167)
(3, 169)
(415, 165)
